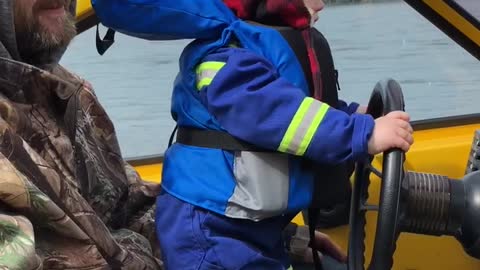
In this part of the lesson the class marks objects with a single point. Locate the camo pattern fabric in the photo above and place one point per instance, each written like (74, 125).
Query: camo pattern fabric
(67, 198)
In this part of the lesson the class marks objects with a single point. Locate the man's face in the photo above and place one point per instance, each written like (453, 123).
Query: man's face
(43, 24)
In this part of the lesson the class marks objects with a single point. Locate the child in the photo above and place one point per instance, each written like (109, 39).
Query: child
(247, 103)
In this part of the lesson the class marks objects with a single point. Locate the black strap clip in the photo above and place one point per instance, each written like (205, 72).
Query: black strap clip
(104, 44)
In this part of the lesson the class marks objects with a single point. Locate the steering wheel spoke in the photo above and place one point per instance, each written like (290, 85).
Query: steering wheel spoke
(369, 207)
(374, 170)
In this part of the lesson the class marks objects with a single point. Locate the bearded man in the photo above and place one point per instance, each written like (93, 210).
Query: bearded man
(67, 200)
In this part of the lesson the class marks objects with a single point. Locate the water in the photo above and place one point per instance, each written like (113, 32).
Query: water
(369, 42)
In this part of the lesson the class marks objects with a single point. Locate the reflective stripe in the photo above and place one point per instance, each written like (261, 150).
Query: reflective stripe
(303, 126)
(290, 268)
(206, 71)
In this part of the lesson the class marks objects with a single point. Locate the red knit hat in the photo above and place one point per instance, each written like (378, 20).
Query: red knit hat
(291, 13)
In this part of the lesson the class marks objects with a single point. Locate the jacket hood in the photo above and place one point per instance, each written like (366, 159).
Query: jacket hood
(211, 23)
(167, 19)
(187, 19)
(8, 42)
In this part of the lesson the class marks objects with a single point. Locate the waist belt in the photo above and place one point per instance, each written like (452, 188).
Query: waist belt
(214, 139)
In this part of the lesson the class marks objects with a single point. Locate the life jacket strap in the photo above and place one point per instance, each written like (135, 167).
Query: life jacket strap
(312, 224)
(214, 139)
(103, 44)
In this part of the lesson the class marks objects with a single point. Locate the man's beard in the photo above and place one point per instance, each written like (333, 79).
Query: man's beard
(36, 43)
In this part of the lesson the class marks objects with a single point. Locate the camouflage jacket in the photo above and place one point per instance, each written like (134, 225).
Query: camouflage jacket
(67, 198)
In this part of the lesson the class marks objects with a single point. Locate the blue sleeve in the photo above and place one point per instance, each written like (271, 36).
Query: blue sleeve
(348, 108)
(253, 103)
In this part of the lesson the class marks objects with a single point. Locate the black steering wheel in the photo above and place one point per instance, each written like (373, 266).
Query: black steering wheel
(387, 96)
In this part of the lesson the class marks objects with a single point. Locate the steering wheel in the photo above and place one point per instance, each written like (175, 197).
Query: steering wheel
(387, 96)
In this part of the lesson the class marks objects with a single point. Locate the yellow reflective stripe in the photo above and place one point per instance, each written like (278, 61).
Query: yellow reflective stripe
(290, 268)
(292, 128)
(204, 82)
(206, 71)
(303, 126)
(210, 65)
(312, 129)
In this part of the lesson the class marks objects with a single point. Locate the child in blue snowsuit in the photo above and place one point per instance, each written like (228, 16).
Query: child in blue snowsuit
(249, 117)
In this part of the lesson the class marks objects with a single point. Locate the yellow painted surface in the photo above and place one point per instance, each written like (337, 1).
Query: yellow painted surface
(84, 9)
(443, 151)
(459, 22)
(150, 173)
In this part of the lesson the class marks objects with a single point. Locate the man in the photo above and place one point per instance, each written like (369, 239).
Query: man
(68, 200)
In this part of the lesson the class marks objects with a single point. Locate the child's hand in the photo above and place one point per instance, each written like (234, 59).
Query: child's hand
(391, 131)
(362, 109)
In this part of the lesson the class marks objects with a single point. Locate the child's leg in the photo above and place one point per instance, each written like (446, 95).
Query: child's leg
(193, 238)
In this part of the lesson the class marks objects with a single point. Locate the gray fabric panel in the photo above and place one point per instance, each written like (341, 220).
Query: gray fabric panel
(262, 185)
(207, 73)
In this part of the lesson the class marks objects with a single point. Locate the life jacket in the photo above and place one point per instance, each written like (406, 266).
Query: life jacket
(332, 191)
